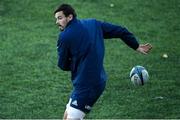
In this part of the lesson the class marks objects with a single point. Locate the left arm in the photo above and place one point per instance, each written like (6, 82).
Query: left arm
(114, 31)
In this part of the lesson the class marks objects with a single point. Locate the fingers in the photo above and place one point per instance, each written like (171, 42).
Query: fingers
(148, 45)
(144, 48)
(144, 52)
(141, 50)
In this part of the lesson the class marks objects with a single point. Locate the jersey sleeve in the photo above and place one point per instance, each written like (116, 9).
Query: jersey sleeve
(114, 31)
(64, 60)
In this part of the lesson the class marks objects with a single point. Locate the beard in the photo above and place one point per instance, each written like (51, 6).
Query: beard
(61, 28)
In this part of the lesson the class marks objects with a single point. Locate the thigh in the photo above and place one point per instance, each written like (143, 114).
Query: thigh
(84, 99)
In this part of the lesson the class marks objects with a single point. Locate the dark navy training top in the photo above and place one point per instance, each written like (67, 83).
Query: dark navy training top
(81, 49)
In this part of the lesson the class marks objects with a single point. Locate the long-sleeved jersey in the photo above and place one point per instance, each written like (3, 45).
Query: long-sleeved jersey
(81, 49)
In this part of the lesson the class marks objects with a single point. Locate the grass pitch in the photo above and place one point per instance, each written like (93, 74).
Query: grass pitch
(31, 85)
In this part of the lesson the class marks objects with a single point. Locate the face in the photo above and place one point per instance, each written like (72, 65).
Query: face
(62, 20)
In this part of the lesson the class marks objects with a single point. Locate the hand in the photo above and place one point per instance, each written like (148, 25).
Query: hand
(144, 48)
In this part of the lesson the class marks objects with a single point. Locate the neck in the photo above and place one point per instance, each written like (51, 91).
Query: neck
(72, 21)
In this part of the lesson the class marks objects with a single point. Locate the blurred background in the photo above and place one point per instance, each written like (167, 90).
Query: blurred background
(33, 87)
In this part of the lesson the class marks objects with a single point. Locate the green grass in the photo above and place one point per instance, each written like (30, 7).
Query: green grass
(31, 85)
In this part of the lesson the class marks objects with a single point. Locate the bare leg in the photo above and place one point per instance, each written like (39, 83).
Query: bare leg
(65, 115)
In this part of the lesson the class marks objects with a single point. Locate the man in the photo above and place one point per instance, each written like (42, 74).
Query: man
(81, 50)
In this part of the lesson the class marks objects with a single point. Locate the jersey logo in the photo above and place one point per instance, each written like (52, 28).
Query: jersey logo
(74, 103)
(88, 107)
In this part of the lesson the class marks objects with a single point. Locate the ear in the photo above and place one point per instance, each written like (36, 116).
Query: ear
(70, 17)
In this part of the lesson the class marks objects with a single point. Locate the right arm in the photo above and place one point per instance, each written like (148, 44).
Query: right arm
(64, 59)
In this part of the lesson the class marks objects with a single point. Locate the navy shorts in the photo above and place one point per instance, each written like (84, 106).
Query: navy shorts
(84, 98)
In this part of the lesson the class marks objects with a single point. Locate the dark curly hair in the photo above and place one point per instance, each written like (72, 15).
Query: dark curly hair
(66, 9)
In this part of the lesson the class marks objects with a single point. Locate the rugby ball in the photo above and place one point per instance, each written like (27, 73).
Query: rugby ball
(139, 75)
